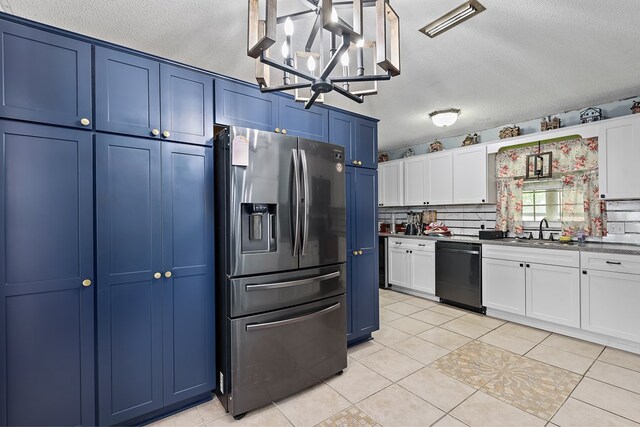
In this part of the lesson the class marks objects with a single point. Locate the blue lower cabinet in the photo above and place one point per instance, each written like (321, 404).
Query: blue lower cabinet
(295, 120)
(46, 253)
(243, 105)
(155, 295)
(362, 256)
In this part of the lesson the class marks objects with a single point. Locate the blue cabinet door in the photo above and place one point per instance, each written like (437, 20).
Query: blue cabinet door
(366, 310)
(127, 89)
(350, 178)
(367, 143)
(243, 105)
(342, 131)
(366, 209)
(129, 302)
(46, 252)
(45, 77)
(295, 120)
(187, 252)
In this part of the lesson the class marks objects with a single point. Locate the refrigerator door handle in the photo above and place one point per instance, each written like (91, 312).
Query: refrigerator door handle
(305, 180)
(281, 285)
(295, 202)
(267, 325)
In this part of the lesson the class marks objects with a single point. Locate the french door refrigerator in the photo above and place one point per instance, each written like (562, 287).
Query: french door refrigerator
(281, 265)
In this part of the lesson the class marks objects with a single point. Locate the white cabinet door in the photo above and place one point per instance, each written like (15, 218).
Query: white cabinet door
(440, 178)
(610, 304)
(619, 151)
(503, 285)
(415, 181)
(553, 294)
(391, 179)
(399, 267)
(470, 175)
(381, 180)
(423, 271)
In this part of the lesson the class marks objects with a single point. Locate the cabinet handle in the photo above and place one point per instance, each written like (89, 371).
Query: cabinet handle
(155, 132)
(528, 266)
(166, 134)
(398, 243)
(85, 122)
(359, 252)
(521, 265)
(602, 196)
(157, 275)
(277, 130)
(421, 244)
(614, 262)
(284, 131)
(355, 253)
(168, 274)
(584, 271)
(86, 283)
(355, 162)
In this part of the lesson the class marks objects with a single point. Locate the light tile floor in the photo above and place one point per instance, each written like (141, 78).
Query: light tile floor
(431, 364)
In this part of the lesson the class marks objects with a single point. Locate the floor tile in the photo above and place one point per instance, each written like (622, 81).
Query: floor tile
(573, 345)
(410, 326)
(508, 342)
(420, 350)
(385, 301)
(485, 321)
(350, 417)
(358, 382)
(387, 335)
(575, 413)
(532, 386)
(387, 316)
(431, 317)
(267, 416)
(398, 296)
(443, 338)
(476, 363)
(615, 375)
(403, 308)
(560, 358)
(462, 327)
(449, 421)
(609, 398)
(187, 418)
(524, 332)
(421, 302)
(312, 406)
(448, 311)
(364, 349)
(211, 410)
(396, 407)
(437, 388)
(483, 410)
(621, 358)
(391, 364)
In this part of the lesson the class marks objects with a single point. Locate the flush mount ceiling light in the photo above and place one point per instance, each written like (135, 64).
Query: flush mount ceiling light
(453, 18)
(444, 118)
(333, 18)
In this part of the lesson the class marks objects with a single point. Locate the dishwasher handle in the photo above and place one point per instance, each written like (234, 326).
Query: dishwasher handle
(459, 251)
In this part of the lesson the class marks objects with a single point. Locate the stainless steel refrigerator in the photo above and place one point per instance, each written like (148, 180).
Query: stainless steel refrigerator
(280, 265)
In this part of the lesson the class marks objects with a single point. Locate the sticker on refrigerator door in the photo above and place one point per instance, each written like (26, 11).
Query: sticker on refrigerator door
(240, 151)
(339, 167)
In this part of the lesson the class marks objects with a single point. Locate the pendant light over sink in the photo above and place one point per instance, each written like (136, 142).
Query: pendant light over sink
(443, 118)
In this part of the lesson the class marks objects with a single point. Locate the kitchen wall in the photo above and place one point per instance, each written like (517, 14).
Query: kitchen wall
(627, 214)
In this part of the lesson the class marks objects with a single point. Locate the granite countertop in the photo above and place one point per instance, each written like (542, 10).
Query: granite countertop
(613, 248)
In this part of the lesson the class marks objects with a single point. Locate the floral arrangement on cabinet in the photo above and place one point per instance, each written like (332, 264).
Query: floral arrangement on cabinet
(575, 162)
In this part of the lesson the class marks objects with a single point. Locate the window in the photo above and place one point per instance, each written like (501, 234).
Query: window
(540, 203)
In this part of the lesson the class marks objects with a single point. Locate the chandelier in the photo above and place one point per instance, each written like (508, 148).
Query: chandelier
(313, 68)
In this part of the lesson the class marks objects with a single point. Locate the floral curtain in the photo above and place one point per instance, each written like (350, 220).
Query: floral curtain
(577, 162)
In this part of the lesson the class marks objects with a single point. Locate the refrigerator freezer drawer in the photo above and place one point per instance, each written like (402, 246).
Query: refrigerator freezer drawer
(258, 294)
(277, 354)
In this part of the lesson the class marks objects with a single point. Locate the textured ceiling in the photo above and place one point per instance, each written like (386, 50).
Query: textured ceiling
(518, 60)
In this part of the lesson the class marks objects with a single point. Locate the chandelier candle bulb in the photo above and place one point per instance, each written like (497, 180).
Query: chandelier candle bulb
(311, 64)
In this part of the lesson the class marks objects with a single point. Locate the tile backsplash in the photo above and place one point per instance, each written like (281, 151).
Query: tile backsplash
(625, 213)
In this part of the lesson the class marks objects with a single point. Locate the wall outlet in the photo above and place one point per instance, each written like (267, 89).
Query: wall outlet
(616, 228)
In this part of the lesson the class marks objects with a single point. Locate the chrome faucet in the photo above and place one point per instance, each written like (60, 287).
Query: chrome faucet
(540, 236)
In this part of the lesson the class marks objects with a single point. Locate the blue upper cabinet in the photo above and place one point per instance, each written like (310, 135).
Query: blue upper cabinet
(186, 101)
(342, 131)
(243, 105)
(45, 77)
(46, 253)
(367, 143)
(127, 93)
(187, 253)
(295, 120)
(358, 136)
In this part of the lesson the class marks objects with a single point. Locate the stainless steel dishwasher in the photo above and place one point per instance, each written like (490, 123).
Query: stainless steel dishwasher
(459, 274)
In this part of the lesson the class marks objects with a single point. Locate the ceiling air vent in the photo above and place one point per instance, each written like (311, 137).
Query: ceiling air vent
(453, 18)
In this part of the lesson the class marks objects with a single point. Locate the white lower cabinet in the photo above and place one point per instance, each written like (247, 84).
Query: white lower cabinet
(412, 264)
(423, 271)
(503, 285)
(553, 294)
(610, 304)
(399, 266)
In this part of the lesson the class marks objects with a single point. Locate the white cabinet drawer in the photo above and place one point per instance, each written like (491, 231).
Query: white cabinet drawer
(610, 262)
(414, 244)
(565, 258)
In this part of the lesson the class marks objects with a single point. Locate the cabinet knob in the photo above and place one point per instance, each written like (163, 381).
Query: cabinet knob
(277, 130)
(482, 200)
(284, 131)
(168, 274)
(86, 283)
(528, 266)
(521, 265)
(359, 162)
(355, 162)
(359, 252)
(157, 275)
(85, 122)
(602, 196)
(584, 271)
(355, 253)
(155, 132)
(166, 134)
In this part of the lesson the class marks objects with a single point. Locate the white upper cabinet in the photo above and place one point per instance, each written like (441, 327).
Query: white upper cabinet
(390, 182)
(416, 190)
(619, 148)
(473, 176)
(440, 178)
